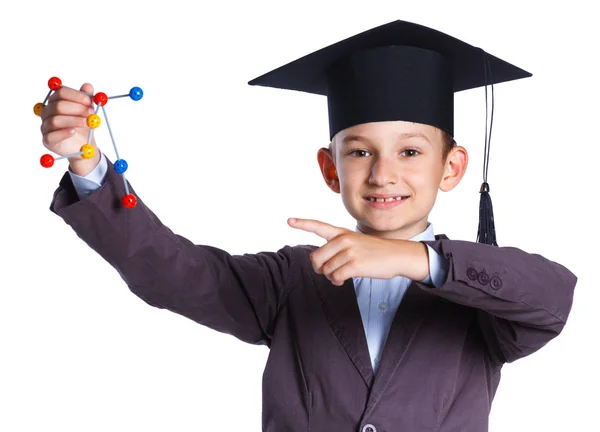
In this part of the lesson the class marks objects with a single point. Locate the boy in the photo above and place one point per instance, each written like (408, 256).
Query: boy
(386, 328)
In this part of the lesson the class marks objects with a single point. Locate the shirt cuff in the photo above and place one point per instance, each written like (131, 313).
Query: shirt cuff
(438, 269)
(84, 186)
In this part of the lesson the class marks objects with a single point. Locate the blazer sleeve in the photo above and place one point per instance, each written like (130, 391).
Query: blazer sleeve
(240, 295)
(522, 300)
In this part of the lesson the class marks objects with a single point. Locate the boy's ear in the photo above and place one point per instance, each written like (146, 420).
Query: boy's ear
(328, 170)
(454, 169)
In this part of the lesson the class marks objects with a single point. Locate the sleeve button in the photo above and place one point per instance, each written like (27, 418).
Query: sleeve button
(472, 273)
(496, 282)
(483, 278)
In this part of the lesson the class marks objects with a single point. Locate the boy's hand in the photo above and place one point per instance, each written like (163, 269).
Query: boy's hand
(64, 126)
(350, 254)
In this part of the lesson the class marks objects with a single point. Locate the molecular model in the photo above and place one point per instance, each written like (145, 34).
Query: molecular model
(93, 121)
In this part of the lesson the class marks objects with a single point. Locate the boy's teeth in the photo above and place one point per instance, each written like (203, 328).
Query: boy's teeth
(385, 199)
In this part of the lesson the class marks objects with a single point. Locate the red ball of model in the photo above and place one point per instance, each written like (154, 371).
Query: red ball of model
(100, 99)
(47, 161)
(54, 83)
(129, 201)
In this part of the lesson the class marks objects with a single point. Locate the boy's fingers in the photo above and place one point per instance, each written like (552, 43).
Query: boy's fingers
(321, 229)
(72, 95)
(56, 137)
(58, 122)
(87, 88)
(64, 107)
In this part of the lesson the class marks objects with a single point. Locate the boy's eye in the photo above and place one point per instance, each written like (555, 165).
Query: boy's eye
(407, 152)
(359, 151)
(410, 152)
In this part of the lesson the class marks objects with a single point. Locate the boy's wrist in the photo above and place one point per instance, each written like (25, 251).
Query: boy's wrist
(82, 167)
(413, 260)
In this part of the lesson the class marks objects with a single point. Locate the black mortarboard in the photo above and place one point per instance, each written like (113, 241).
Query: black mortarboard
(398, 71)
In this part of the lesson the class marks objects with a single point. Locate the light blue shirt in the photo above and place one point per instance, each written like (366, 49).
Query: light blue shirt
(378, 299)
(91, 182)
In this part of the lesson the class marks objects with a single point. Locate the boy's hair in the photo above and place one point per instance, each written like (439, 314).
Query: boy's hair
(448, 143)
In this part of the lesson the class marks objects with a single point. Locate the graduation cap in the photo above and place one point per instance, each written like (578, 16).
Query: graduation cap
(399, 71)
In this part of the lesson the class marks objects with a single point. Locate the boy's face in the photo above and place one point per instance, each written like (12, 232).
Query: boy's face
(397, 159)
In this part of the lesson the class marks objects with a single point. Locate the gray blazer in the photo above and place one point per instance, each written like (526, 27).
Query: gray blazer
(441, 364)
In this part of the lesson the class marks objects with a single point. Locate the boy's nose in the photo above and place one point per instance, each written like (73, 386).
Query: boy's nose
(383, 172)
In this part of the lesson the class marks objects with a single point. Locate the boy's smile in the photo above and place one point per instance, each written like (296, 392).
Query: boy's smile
(388, 174)
(385, 201)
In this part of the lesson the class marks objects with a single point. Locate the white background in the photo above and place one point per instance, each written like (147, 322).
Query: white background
(226, 164)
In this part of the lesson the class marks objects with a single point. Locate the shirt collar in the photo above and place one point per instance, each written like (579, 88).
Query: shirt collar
(428, 234)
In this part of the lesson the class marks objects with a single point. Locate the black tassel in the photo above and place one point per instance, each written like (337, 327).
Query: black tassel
(486, 232)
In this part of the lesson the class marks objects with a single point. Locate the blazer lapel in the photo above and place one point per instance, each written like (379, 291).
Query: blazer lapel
(343, 315)
(340, 307)
(410, 314)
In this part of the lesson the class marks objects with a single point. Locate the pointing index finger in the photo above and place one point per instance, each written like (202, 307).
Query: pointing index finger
(321, 229)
